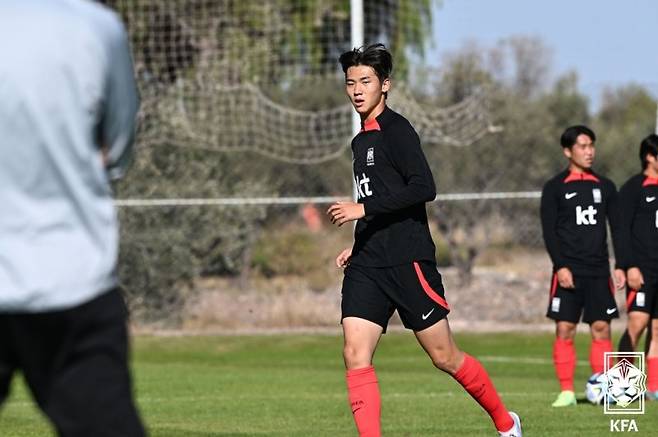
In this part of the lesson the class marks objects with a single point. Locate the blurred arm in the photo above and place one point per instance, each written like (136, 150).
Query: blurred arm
(121, 105)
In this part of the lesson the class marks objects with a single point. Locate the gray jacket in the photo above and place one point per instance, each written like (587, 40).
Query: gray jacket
(66, 90)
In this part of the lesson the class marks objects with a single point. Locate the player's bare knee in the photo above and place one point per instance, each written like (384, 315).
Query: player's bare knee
(356, 357)
(566, 332)
(446, 360)
(600, 330)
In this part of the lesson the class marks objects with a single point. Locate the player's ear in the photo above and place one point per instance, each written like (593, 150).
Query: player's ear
(386, 85)
(567, 152)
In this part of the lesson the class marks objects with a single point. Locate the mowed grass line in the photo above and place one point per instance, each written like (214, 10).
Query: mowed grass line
(293, 385)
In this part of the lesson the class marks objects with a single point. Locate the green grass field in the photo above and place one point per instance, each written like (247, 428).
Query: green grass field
(292, 385)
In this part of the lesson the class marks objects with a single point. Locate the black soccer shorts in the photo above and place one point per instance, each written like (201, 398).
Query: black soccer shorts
(593, 297)
(75, 362)
(415, 290)
(645, 299)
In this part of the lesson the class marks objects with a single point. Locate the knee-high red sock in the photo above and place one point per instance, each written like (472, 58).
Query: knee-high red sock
(564, 359)
(652, 373)
(363, 394)
(597, 354)
(474, 378)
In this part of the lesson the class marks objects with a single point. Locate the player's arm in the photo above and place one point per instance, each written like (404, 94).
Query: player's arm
(409, 159)
(627, 201)
(118, 122)
(614, 218)
(549, 214)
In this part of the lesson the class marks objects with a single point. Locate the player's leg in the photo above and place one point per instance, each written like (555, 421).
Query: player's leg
(6, 360)
(651, 286)
(635, 326)
(638, 320)
(565, 307)
(564, 362)
(439, 344)
(600, 308)
(365, 314)
(652, 363)
(76, 364)
(361, 337)
(418, 292)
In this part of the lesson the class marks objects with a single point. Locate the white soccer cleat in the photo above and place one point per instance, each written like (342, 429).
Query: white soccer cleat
(516, 429)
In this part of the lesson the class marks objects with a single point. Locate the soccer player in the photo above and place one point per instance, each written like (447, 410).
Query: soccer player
(68, 105)
(638, 198)
(574, 206)
(392, 263)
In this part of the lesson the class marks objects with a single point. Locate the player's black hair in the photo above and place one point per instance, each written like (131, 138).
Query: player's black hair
(568, 138)
(374, 55)
(648, 146)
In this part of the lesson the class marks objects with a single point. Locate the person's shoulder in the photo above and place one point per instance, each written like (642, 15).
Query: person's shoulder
(397, 120)
(633, 182)
(605, 181)
(105, 20)
(397, 126)
(556, 179)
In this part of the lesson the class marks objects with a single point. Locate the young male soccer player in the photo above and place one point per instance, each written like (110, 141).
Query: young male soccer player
(639, 211)
(574, 207)
(392, 264)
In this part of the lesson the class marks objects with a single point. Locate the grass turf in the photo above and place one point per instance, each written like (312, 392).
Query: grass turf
(292, 385)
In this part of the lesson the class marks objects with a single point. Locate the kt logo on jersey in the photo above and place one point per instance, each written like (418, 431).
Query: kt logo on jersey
(363, 186)
(586, 216)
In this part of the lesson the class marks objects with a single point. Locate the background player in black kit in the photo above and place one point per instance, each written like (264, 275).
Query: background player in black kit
(574, 206)
(639, 210)
(392, 264)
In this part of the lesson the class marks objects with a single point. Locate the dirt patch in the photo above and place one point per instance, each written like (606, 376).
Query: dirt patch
(510, 294)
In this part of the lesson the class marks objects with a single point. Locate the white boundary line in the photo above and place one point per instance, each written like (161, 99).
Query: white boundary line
(261, 201)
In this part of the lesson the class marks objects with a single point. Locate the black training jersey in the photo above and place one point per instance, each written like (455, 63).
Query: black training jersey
(638, 199)
(574, 208)
(393, 181)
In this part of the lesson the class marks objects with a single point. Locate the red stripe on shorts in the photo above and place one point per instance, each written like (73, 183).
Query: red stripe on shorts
(554, 285)
(428, 289)
(611, 285)
(631, 297)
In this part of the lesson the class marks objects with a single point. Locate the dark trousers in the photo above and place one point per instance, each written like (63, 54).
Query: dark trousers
(75, 362)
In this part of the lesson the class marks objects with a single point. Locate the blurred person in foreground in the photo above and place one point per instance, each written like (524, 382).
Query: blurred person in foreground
(392, 265)
(575, 204)
(638, 199)
(68, 104)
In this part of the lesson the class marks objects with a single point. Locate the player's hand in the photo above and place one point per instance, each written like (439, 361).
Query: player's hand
(343, 259)
(620, 278)
(635, 278)
(565, 278)
(343, 212)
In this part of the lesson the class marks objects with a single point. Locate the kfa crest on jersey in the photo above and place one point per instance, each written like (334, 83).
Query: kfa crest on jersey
(370, 156)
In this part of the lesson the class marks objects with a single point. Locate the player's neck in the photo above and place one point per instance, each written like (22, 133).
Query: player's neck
(374, 112)
(575, 168)
(650, 172)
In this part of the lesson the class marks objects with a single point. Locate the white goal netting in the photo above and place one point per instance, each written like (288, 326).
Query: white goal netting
(245, 100)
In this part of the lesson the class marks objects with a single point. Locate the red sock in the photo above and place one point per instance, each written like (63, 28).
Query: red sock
(472, 376)
(652, 373)
(597, 354)
(365, 402)
(564, 359)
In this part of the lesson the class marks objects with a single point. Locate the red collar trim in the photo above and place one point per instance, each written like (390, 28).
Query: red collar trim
(574, 176)
(371, 125)
(649, 181)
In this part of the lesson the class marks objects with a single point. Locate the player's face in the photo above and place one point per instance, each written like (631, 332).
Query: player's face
(365, 90)
(581, 154)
